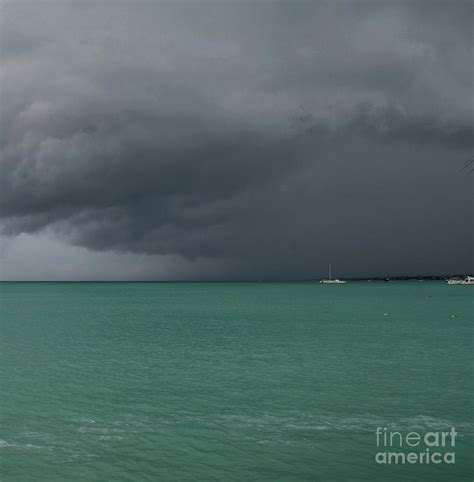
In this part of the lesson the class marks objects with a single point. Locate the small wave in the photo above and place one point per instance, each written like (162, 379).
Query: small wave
(32, 446)
(16, 445)
(110, 437)
(86, 420)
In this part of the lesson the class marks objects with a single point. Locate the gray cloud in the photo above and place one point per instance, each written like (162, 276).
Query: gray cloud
(270, 137)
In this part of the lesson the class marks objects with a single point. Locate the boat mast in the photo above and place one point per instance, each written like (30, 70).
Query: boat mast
(330, 272)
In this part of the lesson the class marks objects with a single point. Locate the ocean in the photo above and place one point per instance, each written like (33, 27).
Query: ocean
(235, 381)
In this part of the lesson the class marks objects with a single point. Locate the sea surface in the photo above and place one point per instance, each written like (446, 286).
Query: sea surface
(232, 381)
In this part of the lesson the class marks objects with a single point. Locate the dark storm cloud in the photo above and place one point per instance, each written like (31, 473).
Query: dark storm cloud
(274, 136)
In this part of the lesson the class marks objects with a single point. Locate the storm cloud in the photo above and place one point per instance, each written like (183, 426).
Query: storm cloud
(269, 138)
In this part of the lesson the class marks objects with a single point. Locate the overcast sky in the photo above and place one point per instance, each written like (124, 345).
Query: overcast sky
(230, 140)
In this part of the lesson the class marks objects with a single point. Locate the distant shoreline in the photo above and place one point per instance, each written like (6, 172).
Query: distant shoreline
(314, 280)
(410, 278)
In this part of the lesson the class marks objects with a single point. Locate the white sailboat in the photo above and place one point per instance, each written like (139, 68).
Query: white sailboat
(330, 280)
(468, 280)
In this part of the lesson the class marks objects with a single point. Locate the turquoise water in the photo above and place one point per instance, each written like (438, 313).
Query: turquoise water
(231, 381)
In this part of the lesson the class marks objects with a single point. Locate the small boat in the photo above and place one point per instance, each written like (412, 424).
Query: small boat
(332, 281)
(468, 280)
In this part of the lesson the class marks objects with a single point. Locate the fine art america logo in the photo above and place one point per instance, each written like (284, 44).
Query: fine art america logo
(415, 447)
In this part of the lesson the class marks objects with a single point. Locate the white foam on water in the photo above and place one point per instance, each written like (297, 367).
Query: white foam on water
(364, 423)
